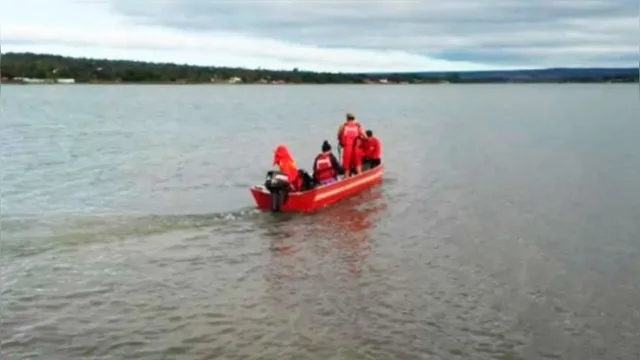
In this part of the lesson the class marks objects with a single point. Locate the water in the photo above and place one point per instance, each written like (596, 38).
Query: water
(507, 225)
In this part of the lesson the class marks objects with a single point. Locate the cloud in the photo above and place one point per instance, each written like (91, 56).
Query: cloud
(512, 31)
(365, 35)
(227, 49)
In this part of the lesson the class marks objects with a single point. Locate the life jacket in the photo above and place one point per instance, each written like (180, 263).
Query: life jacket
(289, 168)
(350, 131)
(324, 168)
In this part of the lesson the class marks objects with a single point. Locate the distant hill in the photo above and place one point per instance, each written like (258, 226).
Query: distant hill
(45, 68)
(552, 74)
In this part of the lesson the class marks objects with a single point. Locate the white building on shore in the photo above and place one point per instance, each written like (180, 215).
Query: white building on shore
(26, 80)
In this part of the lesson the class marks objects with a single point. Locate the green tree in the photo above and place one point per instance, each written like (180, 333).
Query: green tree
(83, 69)
(453, 77)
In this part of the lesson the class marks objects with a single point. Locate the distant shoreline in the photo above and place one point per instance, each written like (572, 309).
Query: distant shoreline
(319, 84)
(53, 81)
(41, 69)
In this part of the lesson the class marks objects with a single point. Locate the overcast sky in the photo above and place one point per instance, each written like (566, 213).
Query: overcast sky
(348, 35)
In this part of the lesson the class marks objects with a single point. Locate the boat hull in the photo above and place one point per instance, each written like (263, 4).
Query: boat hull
(320, 196)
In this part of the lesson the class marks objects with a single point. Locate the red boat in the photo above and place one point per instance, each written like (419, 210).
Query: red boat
(320, 196)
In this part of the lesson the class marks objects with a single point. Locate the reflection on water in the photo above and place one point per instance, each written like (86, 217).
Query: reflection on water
(350, 225)
(342, 229)
(315, 277)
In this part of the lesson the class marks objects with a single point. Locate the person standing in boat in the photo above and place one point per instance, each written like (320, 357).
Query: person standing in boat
(372, 150)
(283, 160)
(326, 167)
(347, 134)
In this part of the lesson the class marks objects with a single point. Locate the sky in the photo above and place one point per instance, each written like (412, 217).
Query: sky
(328, 35)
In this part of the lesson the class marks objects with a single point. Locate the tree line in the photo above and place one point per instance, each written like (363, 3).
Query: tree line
(86, 70)
(44, 66)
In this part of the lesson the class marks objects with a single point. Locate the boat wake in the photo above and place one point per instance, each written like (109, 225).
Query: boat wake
(25, 235)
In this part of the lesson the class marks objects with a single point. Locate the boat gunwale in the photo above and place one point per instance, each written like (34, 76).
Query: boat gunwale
(371, 173)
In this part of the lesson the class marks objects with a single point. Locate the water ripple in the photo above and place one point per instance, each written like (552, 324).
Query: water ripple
(128, 231)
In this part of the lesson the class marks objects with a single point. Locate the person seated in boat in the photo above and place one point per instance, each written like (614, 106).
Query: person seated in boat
(326, 167)
(347, 133)
(357, 154)
(284, 162)
(372, 151)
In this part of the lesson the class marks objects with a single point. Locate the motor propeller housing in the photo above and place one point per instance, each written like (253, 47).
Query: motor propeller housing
(278, 185)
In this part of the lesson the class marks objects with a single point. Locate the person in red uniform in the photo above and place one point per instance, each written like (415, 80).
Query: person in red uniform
(347, 133)
(372, 150)
(326, 167)
(284, 161)
(359, 148)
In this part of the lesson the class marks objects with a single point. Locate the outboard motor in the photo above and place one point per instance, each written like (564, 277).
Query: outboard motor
(278, 185)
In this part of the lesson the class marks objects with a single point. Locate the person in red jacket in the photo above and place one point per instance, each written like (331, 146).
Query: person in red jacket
(359, 148)
(284, 161)
(326, 167)
(347, 133)
(372, 150)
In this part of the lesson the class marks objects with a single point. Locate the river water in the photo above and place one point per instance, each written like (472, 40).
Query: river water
(507, 225)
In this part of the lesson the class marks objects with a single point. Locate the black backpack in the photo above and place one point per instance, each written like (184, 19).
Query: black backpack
(307, 181)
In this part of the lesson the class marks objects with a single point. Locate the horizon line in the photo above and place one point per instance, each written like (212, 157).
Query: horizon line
(524, 69)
